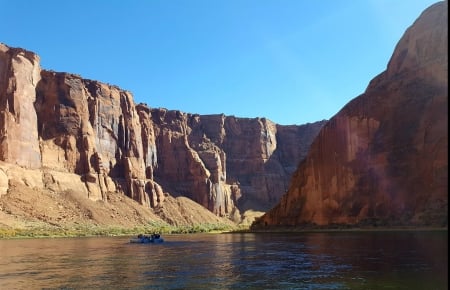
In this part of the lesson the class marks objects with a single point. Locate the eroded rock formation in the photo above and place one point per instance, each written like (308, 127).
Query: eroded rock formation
(383, 159)
(19, 75)
(223, 162)
(94, 130)
(90, 137)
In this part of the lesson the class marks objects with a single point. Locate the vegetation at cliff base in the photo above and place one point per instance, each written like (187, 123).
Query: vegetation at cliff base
(93, 230)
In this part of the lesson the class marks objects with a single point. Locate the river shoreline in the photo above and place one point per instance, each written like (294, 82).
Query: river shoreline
(212, 229)
(356, 229)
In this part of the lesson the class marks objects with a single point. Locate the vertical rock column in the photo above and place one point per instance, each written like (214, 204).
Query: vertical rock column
(19, 75)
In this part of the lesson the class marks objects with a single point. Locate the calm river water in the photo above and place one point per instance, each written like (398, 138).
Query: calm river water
(340, 260)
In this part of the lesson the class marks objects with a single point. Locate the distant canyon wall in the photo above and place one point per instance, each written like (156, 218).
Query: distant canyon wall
(92, 136)
(383, 158)
(237, 161)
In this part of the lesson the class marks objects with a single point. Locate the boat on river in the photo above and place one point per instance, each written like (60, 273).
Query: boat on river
(147, 239)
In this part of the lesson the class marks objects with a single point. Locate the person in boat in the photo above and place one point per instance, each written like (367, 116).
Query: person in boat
(146, 237)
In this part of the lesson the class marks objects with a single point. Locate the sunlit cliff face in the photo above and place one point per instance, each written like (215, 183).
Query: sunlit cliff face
(19, 74)
(383, 158)
(91, 137)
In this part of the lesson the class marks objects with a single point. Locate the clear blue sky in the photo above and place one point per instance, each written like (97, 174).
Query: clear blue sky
(291, 61)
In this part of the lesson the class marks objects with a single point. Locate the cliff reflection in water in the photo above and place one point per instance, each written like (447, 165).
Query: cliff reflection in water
(339, 260)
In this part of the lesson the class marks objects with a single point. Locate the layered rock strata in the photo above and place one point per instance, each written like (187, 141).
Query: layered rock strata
(383, 158)
(94, 130)
(91, 137)
(223, 161)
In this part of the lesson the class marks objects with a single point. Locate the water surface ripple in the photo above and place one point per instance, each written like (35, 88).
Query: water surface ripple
(341, 260)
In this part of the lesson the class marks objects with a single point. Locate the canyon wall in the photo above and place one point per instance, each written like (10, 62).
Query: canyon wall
(383, 158)
(19, 75)
(223, 161)
(91, 137)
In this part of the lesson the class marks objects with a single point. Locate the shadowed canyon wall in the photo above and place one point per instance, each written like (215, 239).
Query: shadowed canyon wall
(222, 161)
(382, 159)
(90, 137)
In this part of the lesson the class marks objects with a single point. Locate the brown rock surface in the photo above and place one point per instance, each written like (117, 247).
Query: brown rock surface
(89, 137)
(19, 75)
(61, 205)
(94, 130)
(383, 159)
(227, 162)
(262, 156)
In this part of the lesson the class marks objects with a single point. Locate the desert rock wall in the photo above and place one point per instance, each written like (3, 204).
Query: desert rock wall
(223, 161)
(92, 134)
(383, 159)
(19, 75)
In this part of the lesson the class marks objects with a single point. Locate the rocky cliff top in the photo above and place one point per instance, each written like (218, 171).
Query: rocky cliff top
(62, 133)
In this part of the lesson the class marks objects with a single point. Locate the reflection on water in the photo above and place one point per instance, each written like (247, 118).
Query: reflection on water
(351, 260)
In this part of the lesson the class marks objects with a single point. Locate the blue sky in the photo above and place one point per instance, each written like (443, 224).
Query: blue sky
(291, 61)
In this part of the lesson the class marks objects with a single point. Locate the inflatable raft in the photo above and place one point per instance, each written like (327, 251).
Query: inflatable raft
(144, 239)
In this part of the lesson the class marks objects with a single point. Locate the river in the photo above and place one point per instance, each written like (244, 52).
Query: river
(327, 260)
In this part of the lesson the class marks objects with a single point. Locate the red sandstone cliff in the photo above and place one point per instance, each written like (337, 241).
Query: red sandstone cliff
(90, 137)
(94, 130)
(383, 159)
(19, 75)
(226, 162)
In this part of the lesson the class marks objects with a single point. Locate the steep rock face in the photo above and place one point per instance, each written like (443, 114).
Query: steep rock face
(19, 75)
(182, 171)
(92, 135)
(94, 130)
(226, 162)
(250, 145)
(262, 157)
(383, 158)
